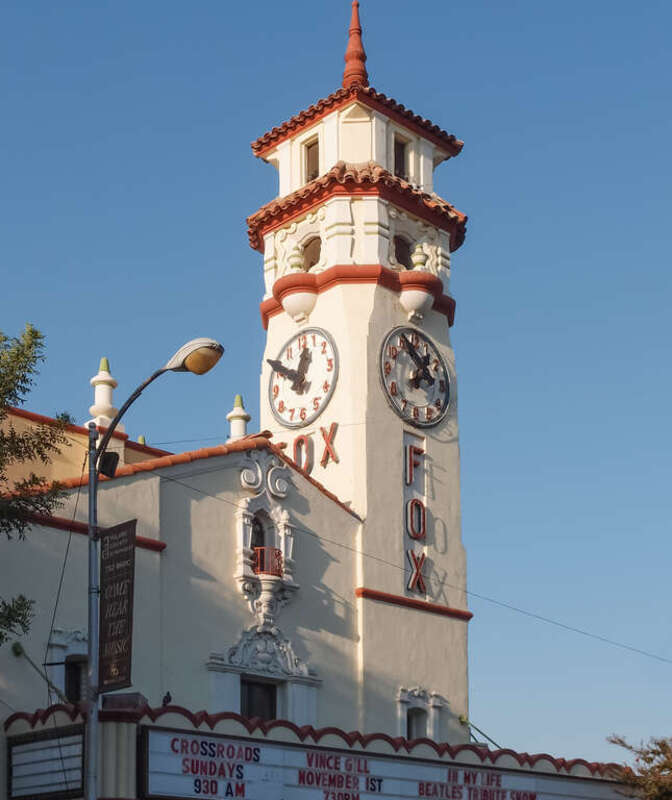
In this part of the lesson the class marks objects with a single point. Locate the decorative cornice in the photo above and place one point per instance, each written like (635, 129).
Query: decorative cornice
(368, 179)
(527, 761)
(340, 274)
(368, 96)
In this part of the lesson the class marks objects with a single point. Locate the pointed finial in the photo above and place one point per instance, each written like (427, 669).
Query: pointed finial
(142, 440)
(238, 419)
(104, 365)
(355, 70)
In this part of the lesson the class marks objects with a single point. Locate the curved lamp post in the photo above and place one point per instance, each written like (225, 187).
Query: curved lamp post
(197, 356)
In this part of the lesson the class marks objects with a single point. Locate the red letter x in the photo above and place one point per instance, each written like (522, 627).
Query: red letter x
(417, 580)
(328, 446)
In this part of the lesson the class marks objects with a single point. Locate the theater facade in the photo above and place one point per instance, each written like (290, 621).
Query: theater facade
(300, 609)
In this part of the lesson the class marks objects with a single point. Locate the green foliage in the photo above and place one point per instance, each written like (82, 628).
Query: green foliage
(15, 617)
(650, 775)
(66, 418)
(21, 499)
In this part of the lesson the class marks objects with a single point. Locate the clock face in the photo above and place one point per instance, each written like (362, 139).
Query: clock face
(303, 377)
(415, 377)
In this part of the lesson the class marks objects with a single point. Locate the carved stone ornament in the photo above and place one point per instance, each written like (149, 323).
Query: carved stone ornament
(268, 652)
(265, 472)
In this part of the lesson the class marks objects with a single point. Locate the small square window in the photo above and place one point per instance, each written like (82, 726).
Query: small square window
(416, 723)
(400, 147)
(258, 699)
(312, 160)
(75, 678)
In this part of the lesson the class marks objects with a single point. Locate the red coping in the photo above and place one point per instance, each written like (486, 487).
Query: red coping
(357, 273)
(63, 524)
(198, 718)
(409, 602)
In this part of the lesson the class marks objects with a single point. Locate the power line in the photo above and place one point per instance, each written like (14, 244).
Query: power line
(431, 579)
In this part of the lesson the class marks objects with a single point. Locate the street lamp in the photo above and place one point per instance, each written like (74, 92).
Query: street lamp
(197, 356)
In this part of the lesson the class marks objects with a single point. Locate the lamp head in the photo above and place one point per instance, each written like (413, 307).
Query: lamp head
(197, 356)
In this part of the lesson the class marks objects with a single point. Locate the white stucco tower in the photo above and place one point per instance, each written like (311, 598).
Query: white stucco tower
(358, 376)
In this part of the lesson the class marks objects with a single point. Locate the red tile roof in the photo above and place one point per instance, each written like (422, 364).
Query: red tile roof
(366, 178)
(368, 97)
(256, 441)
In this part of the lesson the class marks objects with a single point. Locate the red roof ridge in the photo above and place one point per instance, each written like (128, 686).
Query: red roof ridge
(42, 419)
(253, 441)
(355, 73)
(356, 176)
(369, 97)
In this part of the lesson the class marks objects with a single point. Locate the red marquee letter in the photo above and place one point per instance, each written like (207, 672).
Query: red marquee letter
(416, 519)
(328, 445)
(411, 462)
(417, 578)
(303, 453)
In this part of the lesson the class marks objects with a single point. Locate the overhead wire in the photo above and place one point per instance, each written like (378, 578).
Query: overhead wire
(430, 579)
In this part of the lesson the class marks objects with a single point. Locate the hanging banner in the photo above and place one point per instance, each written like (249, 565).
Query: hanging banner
(117, 576)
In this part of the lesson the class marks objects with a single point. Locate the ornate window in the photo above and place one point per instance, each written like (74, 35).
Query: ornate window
(419, 713)
(258, 699)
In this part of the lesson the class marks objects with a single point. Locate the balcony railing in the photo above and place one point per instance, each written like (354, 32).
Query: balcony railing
(268, 561)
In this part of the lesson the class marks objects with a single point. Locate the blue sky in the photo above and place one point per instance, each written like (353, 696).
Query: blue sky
(126, 176)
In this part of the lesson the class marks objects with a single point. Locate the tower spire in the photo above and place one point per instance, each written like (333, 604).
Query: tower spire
(355, 70)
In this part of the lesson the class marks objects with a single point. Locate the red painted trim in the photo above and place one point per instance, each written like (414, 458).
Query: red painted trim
(408, 602)
(356, 183)
(42, 420)
(357, 273)
(368, 96)
(143, 542)
(350, 739)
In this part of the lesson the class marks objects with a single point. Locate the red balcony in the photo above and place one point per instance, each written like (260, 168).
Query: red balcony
(268, 561)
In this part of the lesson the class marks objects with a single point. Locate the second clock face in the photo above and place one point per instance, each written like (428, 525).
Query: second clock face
(415, 377)
(303, 377)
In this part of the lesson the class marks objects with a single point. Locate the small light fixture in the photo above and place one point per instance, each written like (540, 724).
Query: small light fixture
(197, 356)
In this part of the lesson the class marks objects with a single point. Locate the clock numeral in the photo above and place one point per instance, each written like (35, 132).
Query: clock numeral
(276, 390)
(324, 347)
(289, 352)
(435, 364)
(303, 414)
(404, 403)
(314, 340)
(429, 413)
(316, 403)
(393, 389)
(392, 351)
(330, 364)
(442, 386)
(291, 414)
(281, 406)
(303, 342)
(416, 412)
(326, 386)
(438, 404)
(388, 368)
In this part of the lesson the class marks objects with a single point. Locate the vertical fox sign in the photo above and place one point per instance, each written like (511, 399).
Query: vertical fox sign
(117, 577)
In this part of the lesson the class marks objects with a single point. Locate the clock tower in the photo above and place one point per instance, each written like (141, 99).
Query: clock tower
(358, 376)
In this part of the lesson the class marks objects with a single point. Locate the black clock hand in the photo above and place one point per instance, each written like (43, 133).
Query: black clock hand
(420, 362)
(299, 385)
(281, 369)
